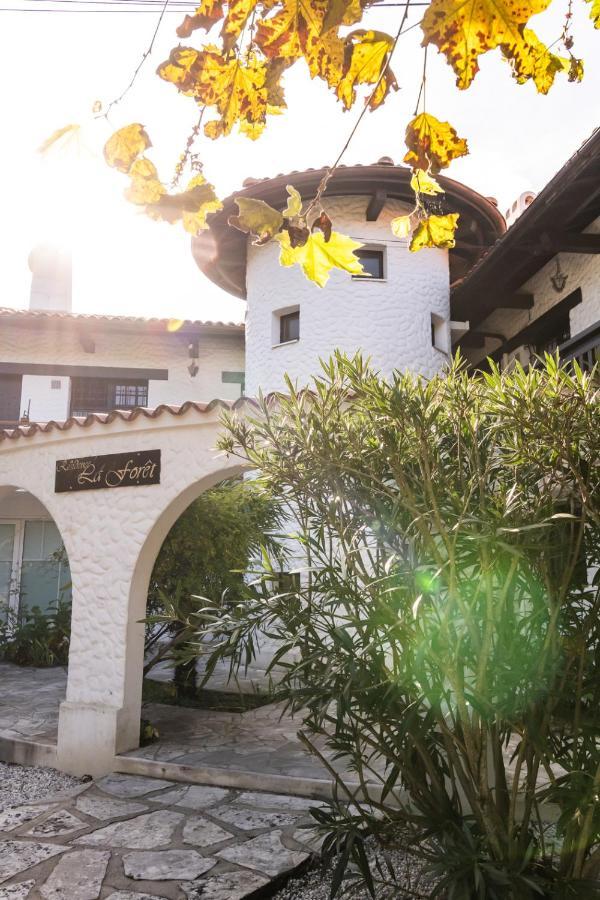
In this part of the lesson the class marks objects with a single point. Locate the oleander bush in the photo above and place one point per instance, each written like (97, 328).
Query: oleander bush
(444, 640)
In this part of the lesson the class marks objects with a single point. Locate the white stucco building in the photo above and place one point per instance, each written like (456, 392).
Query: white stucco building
(56, 365)
(138, 391)
(399, 316)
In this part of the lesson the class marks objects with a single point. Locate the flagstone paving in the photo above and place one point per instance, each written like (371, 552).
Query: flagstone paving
(261, 741)
(172, 842)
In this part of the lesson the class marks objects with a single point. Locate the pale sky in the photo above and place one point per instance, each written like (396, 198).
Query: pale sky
(55, 65)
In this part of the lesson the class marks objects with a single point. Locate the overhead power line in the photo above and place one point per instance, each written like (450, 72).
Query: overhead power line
(133, 6)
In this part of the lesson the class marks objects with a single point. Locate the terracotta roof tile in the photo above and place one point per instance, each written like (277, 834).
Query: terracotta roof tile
(161, 323)
(28, 430)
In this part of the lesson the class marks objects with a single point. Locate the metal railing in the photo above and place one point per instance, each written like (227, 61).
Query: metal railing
(584, 347)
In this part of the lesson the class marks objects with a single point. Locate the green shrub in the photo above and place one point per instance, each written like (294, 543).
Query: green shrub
(36, 637)
(205, 554)
(449, 607)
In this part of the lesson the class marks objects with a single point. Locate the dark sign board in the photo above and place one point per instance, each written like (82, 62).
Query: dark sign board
(91, 473)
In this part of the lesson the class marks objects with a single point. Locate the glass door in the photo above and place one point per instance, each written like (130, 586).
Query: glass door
(7, 553)
(45, 574)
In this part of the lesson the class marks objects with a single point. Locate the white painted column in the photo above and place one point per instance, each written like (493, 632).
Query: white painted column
(101, 714)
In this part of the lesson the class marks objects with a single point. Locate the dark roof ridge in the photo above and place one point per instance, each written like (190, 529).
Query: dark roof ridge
(558, 184)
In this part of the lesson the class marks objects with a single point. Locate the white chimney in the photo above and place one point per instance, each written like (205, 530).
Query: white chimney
(519, 206)
(51, 278)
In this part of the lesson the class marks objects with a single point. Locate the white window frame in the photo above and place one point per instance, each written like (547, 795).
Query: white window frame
(276, 325)
(14, 591)
(14, 601)
(365, 279)
(440, 333)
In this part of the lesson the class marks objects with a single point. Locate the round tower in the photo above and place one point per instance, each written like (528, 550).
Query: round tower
(399, 316)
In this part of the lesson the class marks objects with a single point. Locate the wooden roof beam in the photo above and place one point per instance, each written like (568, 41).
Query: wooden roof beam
(571, 242)
(472, 339)
(376, 204)
(516, 301)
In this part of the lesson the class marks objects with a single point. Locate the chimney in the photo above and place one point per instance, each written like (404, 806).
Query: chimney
(51, 278)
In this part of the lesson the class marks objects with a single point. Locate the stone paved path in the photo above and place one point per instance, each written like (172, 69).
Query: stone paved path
(29, 701)
(259, 741)
(129, 837)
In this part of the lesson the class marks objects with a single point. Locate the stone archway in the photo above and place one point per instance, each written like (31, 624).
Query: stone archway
(112, 537)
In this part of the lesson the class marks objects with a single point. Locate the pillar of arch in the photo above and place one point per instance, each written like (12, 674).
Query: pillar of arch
(112, 537)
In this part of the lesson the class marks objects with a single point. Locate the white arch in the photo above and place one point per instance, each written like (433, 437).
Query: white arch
(112, 538)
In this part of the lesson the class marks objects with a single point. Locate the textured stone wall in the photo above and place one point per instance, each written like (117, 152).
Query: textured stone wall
(388, 320)
(218, 353)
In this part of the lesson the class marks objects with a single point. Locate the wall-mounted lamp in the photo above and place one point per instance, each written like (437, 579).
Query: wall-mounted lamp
(559, 279)
(193, 353)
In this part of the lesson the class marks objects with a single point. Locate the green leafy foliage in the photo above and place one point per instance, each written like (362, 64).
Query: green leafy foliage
(445, 638)
(37, 637)
(204, 555)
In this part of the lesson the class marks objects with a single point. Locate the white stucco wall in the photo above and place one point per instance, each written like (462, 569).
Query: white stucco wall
(42, 400)
(112, 538)
(388, 320)
(583, 270)
(142, 350)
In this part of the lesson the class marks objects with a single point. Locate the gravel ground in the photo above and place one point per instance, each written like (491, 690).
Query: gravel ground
(18, 784)
(315, 883)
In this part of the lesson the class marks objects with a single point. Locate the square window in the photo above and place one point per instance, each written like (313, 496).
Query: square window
(289, 327)
(372, 263)
(439, 333)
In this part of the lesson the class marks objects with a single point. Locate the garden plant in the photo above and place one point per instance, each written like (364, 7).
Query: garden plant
(205, 554)
(445, 636)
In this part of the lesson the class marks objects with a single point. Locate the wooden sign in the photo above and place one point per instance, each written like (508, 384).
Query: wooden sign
(114, 470)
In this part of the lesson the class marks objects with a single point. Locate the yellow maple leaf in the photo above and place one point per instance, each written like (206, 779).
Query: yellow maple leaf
(401, 226)
(125, 145)
(237, 15)
(181, 68)
(423, 183)
(366, 57)
(191, 206)
(343, 12)
(257, 218)
(296, 29)
(235, 87)
(432, 144)
(463, 31)
(205, 16)
(317, 257)
(145, 186)
(435, 231)
(530, 59)
(595, 12)
(68, 132)
(294, 203)
(194, 222)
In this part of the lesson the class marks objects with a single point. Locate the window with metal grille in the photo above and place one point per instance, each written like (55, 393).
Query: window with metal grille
(89, 395)
(289, 327)
(131, 394)
(372, 263)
